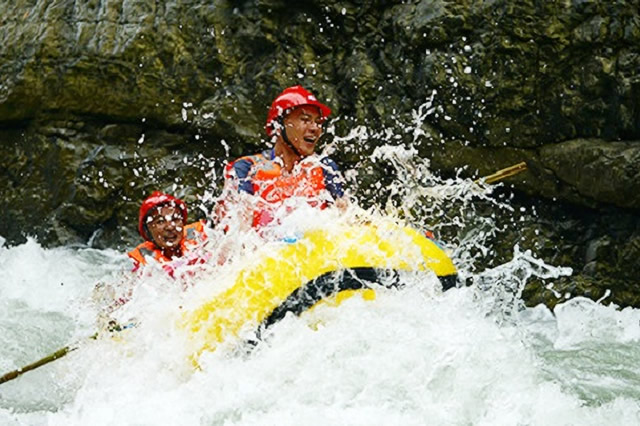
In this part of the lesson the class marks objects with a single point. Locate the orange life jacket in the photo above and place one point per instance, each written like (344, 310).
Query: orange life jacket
(271, 185)
(193, 234)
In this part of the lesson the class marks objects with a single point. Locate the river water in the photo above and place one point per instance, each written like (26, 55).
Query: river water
(470, 356)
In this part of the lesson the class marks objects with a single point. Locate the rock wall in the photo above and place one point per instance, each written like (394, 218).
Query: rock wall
(102, 101)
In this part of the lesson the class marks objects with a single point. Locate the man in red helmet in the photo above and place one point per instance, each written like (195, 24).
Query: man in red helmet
(168, 241)
(162, 223)
(295, 123)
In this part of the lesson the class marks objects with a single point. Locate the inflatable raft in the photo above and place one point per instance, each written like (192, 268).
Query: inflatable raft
(295, 274)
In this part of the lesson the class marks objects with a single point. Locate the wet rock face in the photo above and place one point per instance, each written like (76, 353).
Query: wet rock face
(103, 101)
(69, 182)
(601, 246)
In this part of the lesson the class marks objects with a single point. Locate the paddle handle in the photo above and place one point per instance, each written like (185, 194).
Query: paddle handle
(504, 173)
(46, 360)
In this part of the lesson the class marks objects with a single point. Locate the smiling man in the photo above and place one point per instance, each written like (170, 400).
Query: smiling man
(291, 168)
(168, 241)
(162, 223)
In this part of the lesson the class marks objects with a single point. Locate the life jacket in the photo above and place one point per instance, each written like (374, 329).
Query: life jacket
(269, 183)
(193, 235)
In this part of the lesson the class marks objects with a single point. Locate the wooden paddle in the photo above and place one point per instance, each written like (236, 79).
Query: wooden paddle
(504, 173)
(53, 356)
(46, 360)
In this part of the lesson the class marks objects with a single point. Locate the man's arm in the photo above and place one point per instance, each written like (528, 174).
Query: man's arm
(240, 171)
(333, 181)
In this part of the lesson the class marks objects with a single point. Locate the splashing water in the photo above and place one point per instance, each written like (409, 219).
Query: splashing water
(473, 355)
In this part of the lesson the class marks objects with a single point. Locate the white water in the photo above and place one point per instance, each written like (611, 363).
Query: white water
(414, 356)
(470, 356)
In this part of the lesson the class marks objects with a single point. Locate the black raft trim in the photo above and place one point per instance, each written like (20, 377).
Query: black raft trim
(327, 285)
(334, 282)
(449, 282)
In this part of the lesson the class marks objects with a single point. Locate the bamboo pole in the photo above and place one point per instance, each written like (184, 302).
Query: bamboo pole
(46, 360)
(504, 173)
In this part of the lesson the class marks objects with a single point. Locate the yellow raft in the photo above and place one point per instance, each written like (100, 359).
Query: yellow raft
(294, 275)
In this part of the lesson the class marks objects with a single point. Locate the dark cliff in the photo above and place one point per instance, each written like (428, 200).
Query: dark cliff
(102, 101)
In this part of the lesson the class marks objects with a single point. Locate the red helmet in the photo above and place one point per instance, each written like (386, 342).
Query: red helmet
(154, 200)
(292, 97)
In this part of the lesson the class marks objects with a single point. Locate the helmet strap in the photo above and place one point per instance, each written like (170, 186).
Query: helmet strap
(285, 138)
(146, 230)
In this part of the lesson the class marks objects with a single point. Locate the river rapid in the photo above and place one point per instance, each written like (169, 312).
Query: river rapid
(415, 356)
(471, 355)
